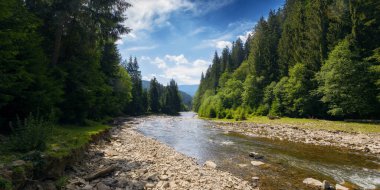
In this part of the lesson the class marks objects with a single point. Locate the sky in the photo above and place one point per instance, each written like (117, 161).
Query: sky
(176, 39)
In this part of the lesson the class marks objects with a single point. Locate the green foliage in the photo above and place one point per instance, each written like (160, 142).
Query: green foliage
(286, 70)
(154, 96)
(61, 182)
(31, 134)
(344, 83)
(5, 184)
(26, 84)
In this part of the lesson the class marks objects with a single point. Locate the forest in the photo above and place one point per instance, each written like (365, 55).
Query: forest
(311, 58)
(59, 60)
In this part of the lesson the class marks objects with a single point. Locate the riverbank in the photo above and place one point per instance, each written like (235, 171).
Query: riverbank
(355, 136)
(133, 161)
(23, 170)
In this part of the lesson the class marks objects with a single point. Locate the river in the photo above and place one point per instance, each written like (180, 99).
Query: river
(287, 163)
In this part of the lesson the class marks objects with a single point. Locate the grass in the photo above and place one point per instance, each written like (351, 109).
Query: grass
(314, 124)
(65, 138)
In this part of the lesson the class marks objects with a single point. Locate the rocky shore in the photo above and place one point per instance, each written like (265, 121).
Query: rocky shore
(129, 160)
(369, 143)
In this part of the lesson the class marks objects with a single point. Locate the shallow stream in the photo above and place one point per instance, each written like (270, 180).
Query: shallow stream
(287, 163)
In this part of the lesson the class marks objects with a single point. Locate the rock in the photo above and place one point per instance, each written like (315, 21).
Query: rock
(210, 164)
(18, 163)
(312, 182)
(102, 186)
(327, 185)
(172, 185)
(87, 187)
(256, 155)
(255, 178)
(257, 163)
(164, 177)
(340, 187)
(242, 165)
(149, 185)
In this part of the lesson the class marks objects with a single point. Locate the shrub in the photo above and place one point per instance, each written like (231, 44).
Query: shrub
(5, 184)
(31, 134)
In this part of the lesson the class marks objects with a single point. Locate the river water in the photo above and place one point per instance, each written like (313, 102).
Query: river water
(287, 163)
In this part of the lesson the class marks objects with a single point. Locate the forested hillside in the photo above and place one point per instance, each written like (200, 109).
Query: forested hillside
(59, 58)
(311, 58)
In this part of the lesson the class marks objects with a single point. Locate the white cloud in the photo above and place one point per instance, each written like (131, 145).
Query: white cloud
(144, 14)
(179, 59)
(188, 73)
(203, 7)
(197, 31)
(219, 43)
(244, 37)
(159, 62)
(223, 44)
(141, 48)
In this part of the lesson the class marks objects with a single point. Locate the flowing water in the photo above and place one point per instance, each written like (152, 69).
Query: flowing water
(287, 163)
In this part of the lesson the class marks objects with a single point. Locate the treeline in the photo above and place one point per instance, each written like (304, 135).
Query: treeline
(156, 99)
(312, 58)
(59, 56)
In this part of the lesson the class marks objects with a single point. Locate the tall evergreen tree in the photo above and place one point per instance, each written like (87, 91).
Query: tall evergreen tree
(154, 98)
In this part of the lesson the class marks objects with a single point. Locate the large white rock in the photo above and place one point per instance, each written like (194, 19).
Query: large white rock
(340, 187)
(257, 163)
(312, 182)
(210, 164)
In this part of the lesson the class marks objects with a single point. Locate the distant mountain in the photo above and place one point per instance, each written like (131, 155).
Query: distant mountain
(189, 89)
(186, 97)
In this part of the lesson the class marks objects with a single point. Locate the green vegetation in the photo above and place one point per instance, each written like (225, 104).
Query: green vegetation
(5, 184)
(69, 137)
(309, 59)
(313, 124)
(63, 139)
(31, 134)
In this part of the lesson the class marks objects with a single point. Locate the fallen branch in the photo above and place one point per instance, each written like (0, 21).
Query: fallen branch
(100, 173)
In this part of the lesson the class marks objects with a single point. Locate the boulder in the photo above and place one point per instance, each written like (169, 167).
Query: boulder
(257, 163)
(312, 182)
(210, 164)
(256, 155)
(341, 187)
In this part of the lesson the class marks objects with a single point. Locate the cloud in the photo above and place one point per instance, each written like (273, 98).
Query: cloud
(203, 7)
(197, 31)
(183, 71)
(144, 14)
(219, 43)
(160, 63)
(244, 37)
(180, 59)
(187, 74)
(223, 44)
(141, 48)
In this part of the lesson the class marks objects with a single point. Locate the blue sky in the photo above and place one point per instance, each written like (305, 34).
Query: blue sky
(177, 38)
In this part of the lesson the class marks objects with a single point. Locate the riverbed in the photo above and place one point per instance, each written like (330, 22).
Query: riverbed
(286, 163)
